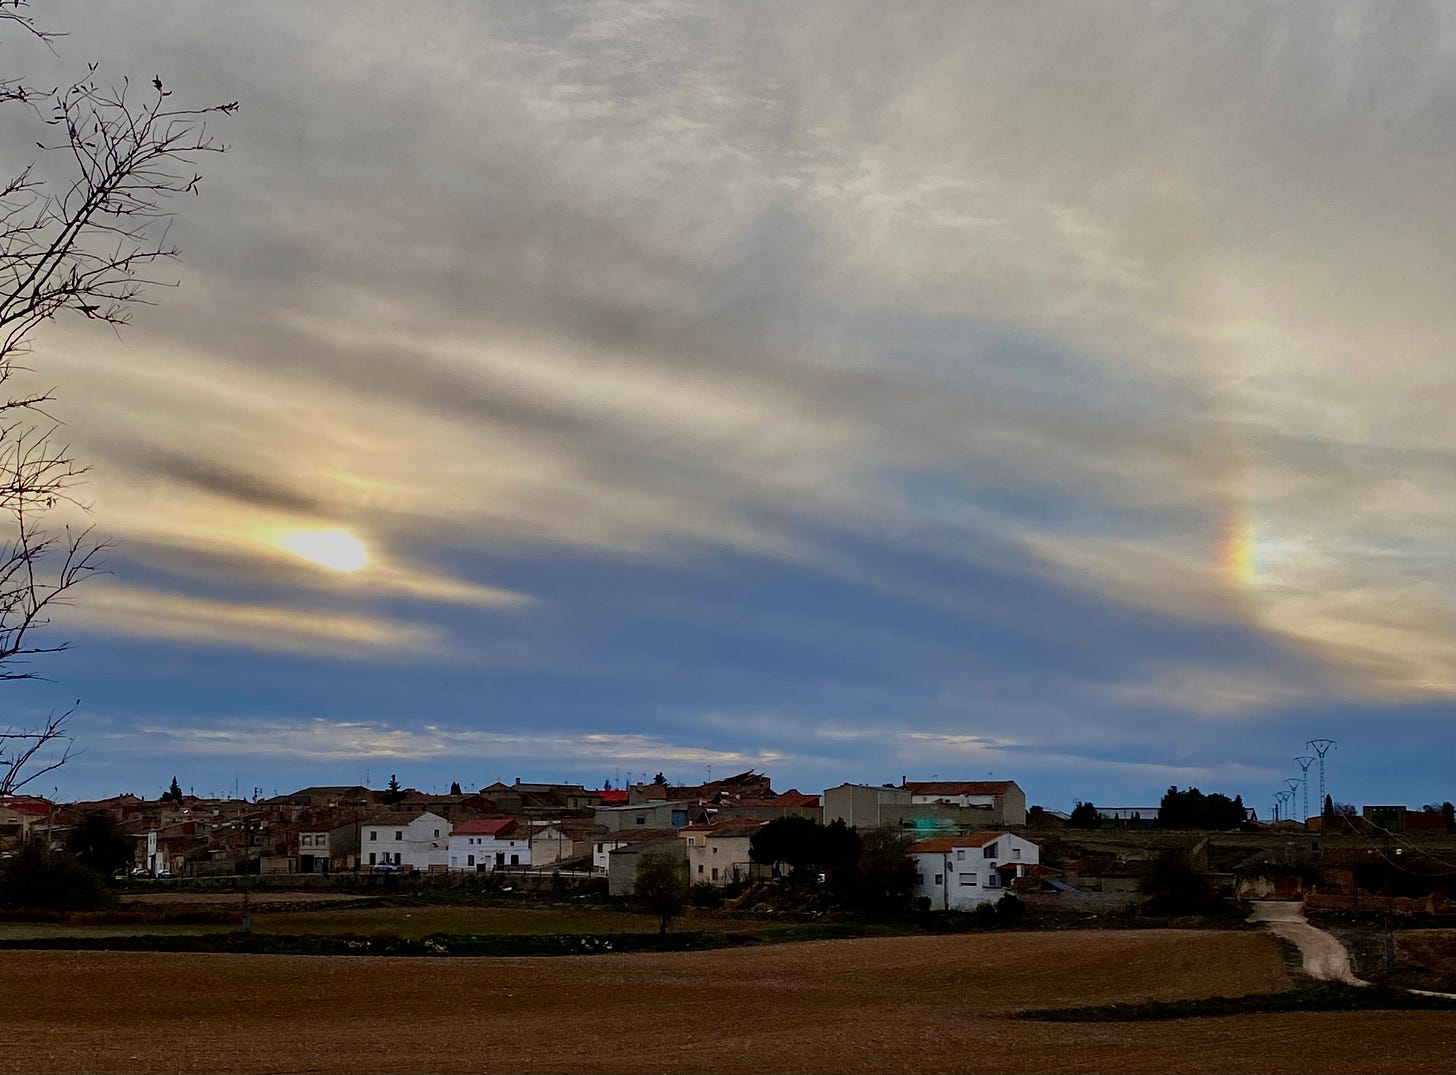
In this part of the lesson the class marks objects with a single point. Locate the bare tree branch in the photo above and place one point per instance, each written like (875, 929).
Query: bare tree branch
(84, 245)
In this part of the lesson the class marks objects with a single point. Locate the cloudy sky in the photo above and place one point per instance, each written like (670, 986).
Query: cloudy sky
(1056, 391)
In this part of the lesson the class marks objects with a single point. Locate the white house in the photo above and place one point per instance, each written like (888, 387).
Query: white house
(486, 844)
(550, 843)
(957, 873)
(405, 840)
(718, 854)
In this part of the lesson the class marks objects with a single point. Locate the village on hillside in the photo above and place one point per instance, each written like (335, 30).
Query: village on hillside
(971, 842)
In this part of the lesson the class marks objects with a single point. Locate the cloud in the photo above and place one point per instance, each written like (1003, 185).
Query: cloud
(140, 612)
(339, 740)
(674, 286)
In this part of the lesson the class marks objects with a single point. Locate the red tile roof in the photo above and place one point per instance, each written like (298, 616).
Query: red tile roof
(485, 826)
(959, 787)
(28, 804)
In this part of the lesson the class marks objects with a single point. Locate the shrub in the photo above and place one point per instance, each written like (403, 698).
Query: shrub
(1010, 909)
(706, 895)
(35, 878)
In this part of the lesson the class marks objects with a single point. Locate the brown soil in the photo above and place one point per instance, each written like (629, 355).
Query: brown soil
(884, 1004)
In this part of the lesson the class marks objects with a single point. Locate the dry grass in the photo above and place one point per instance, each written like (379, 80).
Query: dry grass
(880, 1004)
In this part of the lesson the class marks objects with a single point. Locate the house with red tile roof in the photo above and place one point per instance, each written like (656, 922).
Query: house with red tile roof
(791, 803)
(483, 845)
(1006, 801)
(959, 873)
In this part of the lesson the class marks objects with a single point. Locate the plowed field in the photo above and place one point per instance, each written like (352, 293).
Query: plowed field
(884, 1004)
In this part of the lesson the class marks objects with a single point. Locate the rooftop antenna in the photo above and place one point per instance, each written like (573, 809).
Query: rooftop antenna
(1293, 784)
(1321, 747)
(1304, 761)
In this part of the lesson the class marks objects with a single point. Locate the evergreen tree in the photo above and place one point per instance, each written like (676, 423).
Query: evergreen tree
(455, 788)
(174, 792)
(1084, 816)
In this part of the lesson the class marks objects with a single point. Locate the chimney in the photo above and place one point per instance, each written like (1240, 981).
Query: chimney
(518, 780)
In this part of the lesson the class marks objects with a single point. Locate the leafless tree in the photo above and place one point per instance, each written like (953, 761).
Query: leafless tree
(81, 236)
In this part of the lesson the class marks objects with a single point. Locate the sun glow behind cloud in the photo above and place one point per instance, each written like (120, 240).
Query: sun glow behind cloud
(337, 550)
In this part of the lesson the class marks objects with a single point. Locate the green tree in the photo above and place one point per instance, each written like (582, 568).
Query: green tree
(1084, 816)
(660, 887)
(885, 876)
(660, 780)
(839, 848)
(98, 842)
(1191, 809)
(392, 791)
(797, 842)
(174, 793)
(455, 788)
(34, 878)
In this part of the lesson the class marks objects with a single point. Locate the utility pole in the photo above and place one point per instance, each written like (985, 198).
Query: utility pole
(1293, 784)
(247, 903)
(1321, 747)
(1304, 761)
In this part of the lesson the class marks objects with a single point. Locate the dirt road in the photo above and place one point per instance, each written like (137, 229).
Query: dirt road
(1324, 956)
(902, 1004)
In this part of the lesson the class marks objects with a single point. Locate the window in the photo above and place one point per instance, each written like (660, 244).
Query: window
(437, 834)
(968, 880)
(373, 835)
(515, 860)
(990, 851)
(715, 873)
(700, 867)
(919, 877)
(470, 860)
(960, 856)
(399, 834)
(371, 858)
(994, 881)
(1016, 852)
(641, 819)
(940, 879)
(305, 841)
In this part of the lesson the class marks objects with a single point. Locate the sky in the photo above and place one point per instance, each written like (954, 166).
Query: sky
(1052, 392)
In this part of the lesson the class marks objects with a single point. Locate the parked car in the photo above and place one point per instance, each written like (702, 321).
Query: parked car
(385, 867)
